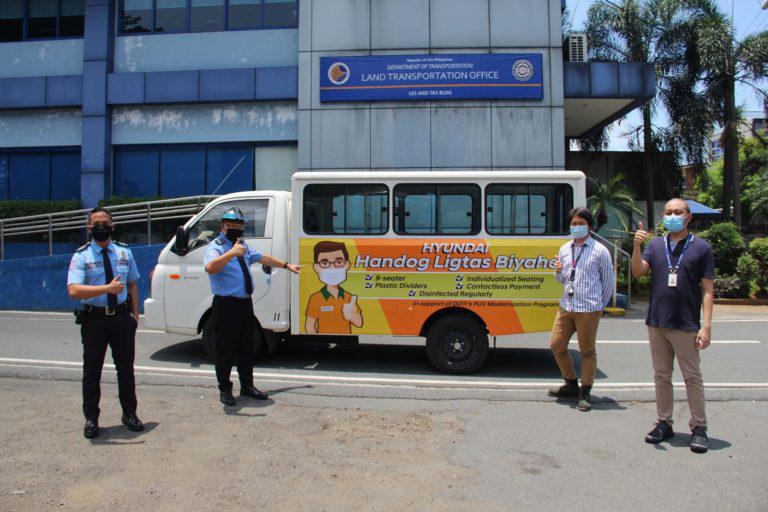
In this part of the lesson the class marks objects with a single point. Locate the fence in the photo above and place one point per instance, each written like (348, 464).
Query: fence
(145, 215)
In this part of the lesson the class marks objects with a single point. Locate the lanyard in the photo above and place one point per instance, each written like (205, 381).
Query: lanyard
(673, 270)
(575, 261)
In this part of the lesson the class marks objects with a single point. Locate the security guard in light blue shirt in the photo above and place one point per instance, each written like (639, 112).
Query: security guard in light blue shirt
(103, 275)
(227, 262)
(87, 267)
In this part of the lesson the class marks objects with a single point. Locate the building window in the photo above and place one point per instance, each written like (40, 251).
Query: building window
(527, 209)
(174, 16)
(346, 209)
(423, 209)
(179, 171)
(40, 175)
(22, 20)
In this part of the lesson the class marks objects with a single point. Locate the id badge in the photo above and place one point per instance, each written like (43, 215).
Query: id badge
(569, 290)
(672, 281)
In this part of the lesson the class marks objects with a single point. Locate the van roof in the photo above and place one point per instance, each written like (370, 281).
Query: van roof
(523, 175)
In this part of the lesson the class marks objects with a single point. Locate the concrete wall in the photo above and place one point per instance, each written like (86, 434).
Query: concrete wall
(430, 134)
(40, 284)
(207, 50)
(40, 128)
(41, 58)
(237, 122)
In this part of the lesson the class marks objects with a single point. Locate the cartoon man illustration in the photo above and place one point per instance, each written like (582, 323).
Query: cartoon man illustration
(332, 310)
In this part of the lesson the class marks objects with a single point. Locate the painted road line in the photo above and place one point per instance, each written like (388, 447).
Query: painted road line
(645, 342)
(152, 331)
(715, 321)
(374, 381)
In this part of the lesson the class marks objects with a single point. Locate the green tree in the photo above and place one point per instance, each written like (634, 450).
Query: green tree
(723, 62)
(611, 195)
(657, 31)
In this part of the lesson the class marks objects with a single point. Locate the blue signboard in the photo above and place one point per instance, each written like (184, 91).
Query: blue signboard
(431, 77)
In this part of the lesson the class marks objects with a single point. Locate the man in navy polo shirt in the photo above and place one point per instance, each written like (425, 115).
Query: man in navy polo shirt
(682, 275)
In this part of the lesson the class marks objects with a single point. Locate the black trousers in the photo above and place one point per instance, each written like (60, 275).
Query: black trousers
(119, 332)
(235, 324)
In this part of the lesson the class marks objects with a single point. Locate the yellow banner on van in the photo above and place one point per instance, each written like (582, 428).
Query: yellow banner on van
(392, 286)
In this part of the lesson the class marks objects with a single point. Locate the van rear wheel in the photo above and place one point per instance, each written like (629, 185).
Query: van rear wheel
(457, 344)
(209, 339)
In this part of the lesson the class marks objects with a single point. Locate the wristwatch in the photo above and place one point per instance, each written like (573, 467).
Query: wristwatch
(285, 265)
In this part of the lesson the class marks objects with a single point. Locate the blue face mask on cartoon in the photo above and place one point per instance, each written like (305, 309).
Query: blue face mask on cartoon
(579, 231)
(674, 223)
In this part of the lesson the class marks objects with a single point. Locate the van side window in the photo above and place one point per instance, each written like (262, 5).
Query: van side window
(346, 209)
(424, 209)
(524, 209)
(208, 226)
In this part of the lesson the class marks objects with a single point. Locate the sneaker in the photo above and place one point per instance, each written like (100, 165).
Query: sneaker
(660, 432)
(585, 400)
(699, 440)
(568, 390)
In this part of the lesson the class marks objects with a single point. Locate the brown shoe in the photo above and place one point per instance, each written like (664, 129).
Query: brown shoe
(568, 390)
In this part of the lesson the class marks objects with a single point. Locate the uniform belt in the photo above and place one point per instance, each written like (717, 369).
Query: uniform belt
(229, 298)
(107, 311)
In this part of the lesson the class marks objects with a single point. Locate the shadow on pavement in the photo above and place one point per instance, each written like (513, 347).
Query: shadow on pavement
(599, 403)
(683, 440)
(531, 363)
(120, 435)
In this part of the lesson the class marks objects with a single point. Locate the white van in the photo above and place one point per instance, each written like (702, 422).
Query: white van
(450, 257)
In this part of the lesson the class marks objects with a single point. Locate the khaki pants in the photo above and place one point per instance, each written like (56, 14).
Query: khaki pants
(585, 326)
(666, 344)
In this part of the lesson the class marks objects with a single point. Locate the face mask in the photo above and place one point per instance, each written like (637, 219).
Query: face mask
(674, 223)
(333, 276)
(101, 232)
(579, 231)
(233, 234)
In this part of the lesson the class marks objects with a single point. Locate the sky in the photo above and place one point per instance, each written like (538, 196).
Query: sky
(748, 18)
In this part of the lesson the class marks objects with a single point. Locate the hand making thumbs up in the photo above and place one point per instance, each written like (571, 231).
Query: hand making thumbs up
(641, 235)
(558, 264)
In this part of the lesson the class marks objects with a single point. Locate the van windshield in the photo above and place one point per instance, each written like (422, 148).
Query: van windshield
(208, 225)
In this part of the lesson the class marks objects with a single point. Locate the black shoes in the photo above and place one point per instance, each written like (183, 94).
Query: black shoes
(568, 390)
(253, 393)
(91, 429)
(585, 400)
(133, 422)
(660, 432)
(699, 440)
(226, 398)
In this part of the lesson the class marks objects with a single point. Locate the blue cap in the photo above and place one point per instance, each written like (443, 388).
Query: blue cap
(233, 214)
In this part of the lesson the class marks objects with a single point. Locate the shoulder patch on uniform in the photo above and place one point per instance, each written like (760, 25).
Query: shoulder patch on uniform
(83, 247)
(219, 241)
(121, 244)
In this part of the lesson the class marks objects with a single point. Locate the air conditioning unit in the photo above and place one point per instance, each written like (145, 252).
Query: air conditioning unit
(577, 47)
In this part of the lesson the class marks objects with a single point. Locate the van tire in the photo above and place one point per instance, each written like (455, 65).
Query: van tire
(209, 339)
(457, 344)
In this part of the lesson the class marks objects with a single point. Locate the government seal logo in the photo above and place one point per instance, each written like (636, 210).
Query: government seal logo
(338, 73)
(523, 70)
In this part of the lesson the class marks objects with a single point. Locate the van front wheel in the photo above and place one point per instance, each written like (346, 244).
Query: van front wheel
(209, 339)
(457, 344)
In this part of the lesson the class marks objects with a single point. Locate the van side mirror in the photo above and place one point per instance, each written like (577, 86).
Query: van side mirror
(180, 244)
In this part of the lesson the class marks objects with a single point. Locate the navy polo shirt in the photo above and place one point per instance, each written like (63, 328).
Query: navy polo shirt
(679, 307)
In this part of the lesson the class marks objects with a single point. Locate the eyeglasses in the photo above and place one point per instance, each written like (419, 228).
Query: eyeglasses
(338, 263)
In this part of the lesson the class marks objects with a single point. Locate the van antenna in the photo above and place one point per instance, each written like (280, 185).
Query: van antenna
(228, 175)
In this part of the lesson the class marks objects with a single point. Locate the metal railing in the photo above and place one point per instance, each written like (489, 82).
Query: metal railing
(616, 253)
(149, 212)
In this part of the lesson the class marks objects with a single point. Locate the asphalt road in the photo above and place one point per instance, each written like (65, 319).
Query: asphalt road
(737, 358)
(375, 428)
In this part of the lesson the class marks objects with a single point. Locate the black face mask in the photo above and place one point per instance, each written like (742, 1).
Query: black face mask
(101, 232)
(233, 234)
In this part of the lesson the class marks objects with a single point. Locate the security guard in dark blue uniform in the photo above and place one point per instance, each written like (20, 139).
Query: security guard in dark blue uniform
(227, 262)
(103, 275)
